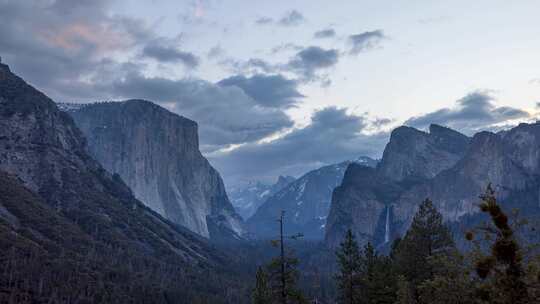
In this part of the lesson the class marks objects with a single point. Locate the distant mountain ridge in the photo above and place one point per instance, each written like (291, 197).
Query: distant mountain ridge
(156, 153)
(247, 199)
(306, 202)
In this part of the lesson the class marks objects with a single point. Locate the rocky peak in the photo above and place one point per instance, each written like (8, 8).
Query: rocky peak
(448, 139)
(413, 155)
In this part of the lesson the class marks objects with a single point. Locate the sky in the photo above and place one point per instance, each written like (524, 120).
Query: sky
(283, 87)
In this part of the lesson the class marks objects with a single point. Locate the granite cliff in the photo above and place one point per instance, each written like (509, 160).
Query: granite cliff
(156, 153)
(445, 166)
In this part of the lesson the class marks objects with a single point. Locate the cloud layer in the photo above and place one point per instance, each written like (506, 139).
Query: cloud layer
(274, 91)
(332, 136)
(475, 112)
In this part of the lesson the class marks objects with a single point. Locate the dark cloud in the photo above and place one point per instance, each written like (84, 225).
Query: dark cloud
(251, 66)
(326, 33)
(365, 41)
(59, 46)
(264, 21)
(292, 18)
(273, 91)
(308, 64)
(309, 61)
(286, 47)
(332, 136)
(226, 114)
(68, 49)
(472, 113)
(166, 53)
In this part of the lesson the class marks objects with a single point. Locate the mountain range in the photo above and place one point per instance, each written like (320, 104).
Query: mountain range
(306, 203)
(248, 198)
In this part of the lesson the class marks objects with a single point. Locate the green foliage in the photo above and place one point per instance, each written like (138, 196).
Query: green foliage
(505, 278)
(426, 239)
(366, 277)
(451, 282)
(45, 257)
(404, 292)
(350, 265)
(291, 275)
(261, 293)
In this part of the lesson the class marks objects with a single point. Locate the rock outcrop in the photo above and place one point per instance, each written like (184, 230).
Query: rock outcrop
(156, 153)
(306, 203)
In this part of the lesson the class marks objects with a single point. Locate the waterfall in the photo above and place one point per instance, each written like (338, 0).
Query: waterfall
(387, 226)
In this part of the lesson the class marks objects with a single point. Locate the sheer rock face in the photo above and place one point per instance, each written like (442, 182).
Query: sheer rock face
(413, 155)
(42, 147)
(508, 160)
(157, 154)
(356, 204)
(368, 196)
(306, 203)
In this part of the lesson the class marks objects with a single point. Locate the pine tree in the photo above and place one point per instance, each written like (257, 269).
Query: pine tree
(427, 237)
(287, 277)
(404, 291)
(377, 277)
(282, 271)
(502, 270)
(350, 263)
(451, 283)
(261, 292)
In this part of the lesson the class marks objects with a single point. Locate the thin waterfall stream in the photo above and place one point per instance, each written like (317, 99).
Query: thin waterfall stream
(387, 226)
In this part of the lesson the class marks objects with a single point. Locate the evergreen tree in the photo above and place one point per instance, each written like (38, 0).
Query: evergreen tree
(289, 275)
(350, 263)
(505, 278)
(261, 292)
(451, 283)
(427, 237)
(382, 284)
(282, 271)
(404, 291)
(377, 277)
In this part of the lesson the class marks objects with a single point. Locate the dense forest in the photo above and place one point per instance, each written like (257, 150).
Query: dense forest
(425, 266)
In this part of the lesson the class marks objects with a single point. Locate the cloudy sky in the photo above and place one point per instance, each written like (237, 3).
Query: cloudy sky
(281, 87)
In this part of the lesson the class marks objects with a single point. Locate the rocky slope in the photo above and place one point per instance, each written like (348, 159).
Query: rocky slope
(306, 203)
(247, 199)
(450, 169)
(157, 154)
(61, 212)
